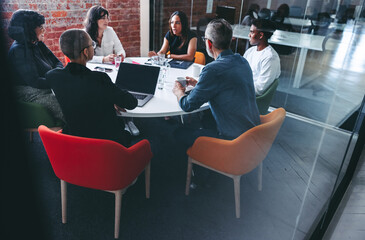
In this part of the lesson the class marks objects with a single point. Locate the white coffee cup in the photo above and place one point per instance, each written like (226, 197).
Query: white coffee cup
(182, 81)
(196, 70)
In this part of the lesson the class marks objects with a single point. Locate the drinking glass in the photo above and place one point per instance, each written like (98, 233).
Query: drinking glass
(161, 58)
(117, 61)
(164, 71)
(155, 60)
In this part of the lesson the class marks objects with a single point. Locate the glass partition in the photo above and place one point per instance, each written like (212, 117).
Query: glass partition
(321, 86)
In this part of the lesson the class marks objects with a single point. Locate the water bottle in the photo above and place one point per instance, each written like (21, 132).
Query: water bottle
(164, 70)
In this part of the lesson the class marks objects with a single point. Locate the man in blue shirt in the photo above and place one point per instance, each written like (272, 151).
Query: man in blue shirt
(226, 84)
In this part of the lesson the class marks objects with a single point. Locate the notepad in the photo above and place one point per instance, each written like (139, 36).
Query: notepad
(180, 64)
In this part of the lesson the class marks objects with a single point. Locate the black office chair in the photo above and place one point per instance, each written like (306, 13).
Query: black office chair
(320, 25)
(264, 13)
(296, 12)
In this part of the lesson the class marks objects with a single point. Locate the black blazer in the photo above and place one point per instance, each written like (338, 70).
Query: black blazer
(31, 62)
(87, 101)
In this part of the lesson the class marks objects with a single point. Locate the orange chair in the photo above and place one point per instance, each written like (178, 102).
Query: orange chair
(199, 58)
(96, 163)
(239, 156)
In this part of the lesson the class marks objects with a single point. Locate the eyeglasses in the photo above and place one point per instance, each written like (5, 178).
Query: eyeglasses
(93, 44)
(205, 38)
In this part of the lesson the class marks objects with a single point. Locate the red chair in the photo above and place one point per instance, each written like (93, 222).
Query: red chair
(96, 163)
(67, 60)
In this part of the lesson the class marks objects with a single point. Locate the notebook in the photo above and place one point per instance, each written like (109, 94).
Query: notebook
(180, 64)
(138, 79)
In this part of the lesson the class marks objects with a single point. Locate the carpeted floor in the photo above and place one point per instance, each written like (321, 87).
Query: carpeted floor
(168, 214)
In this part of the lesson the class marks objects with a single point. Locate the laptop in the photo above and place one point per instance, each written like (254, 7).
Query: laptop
(139, 80)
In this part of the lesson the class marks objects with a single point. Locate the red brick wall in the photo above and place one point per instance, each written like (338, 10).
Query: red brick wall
(65, 14)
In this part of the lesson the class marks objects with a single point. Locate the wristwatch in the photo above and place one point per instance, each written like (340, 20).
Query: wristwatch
(168, 56)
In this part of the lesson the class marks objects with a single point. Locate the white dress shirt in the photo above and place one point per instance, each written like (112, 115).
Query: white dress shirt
(110, 44)
(265, 65)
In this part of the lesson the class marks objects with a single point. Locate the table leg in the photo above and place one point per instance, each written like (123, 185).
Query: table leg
(300, 67)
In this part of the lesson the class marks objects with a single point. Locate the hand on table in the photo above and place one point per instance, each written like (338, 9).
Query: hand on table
(110, 58)
(152, 53)
(119, 109)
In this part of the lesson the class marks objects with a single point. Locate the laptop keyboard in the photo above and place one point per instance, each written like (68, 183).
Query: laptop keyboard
(139, 96)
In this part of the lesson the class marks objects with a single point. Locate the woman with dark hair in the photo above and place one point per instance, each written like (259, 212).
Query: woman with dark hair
(251, 15)
(108, 43)
(179, 40)
(31, 60)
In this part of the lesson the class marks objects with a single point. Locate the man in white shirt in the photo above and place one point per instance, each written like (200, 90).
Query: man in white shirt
(263, 59)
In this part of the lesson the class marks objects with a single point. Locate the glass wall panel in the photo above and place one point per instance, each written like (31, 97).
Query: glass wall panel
(321, 86)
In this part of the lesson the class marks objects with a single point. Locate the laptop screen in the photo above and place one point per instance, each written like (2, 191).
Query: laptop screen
(137, 77)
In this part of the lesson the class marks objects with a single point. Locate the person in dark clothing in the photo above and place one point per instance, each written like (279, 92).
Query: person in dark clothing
(31, 60)
(179, 40)
(88, 98)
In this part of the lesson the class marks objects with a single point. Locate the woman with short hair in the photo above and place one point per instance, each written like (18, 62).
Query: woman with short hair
(31, 60)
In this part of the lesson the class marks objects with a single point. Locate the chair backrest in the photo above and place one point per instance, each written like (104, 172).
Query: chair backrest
(296, 11)
(252, 147)
(263, 101)
(264, 13)
(32, 115)
(243, 154)
(199, 58)
(94, 163)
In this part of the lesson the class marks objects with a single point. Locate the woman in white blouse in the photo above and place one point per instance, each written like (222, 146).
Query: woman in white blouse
(108, 43)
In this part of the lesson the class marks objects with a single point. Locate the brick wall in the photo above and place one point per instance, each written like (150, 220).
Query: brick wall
(65, 14)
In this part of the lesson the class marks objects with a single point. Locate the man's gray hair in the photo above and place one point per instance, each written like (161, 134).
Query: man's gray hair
(219, 32)
(73, 41)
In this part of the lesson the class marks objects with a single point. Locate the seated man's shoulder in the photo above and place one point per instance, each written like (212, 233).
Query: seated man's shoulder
(55, 71)
(272, 51)
(239, 59)
(100, 76)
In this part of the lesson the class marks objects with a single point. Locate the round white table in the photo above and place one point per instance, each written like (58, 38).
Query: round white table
(164, 103)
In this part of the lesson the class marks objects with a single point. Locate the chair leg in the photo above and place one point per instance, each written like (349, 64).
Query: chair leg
(64, 201)
(188, 177)
(236, 183)
(182, 119)
(118, 208)
(260, 176)
(147, 174)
